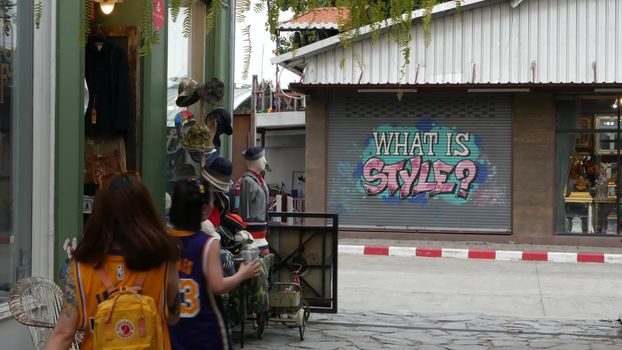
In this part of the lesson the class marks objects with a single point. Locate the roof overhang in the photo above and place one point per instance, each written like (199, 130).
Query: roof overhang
(285, 60)
(605, 89)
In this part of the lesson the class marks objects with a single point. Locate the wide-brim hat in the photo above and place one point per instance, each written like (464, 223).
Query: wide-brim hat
(220, 183)
(187, 92)
(212, 91)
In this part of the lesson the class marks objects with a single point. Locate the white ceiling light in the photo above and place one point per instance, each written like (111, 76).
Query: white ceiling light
(107, 6)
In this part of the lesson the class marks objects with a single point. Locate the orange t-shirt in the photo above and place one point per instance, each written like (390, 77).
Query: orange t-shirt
(91, 291)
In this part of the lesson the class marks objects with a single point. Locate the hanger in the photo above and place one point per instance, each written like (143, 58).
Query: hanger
(97, 36)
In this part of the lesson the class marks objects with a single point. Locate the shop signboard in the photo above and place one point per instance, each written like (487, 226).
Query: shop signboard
(158, 14)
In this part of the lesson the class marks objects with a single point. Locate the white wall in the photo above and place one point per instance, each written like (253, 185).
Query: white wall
(285, 154)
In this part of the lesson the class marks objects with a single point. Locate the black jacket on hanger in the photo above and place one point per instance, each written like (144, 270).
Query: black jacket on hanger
(108, 80)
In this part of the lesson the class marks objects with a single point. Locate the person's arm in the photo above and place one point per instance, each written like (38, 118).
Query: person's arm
(173, 299)
(67, 324)
(212, 268)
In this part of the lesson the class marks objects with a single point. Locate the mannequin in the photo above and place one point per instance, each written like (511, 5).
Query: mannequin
(254, 197)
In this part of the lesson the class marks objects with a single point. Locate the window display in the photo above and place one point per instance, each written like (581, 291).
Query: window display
(587, 166)
(15, 230)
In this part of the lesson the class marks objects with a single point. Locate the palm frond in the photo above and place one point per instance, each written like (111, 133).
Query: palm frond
(259, 7)
(175, 9)
(246, 37)
(38, 9)
(212, 16)
(85, 22)
(241, 8)
(186, 25)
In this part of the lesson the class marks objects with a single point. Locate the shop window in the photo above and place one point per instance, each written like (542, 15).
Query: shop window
(15, 145)
(177, 65)
(588, 166)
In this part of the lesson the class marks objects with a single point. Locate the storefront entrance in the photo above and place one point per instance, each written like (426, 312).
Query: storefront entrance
(428, 162)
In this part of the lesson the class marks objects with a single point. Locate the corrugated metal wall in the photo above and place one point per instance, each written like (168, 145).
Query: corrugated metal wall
(540, 41)
(352, 120)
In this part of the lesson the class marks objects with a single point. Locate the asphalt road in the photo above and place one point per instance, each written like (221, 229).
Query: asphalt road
(503, 288)
(431, 304)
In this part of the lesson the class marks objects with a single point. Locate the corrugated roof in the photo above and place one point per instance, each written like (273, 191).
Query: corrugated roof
(489, 42)
(319, 18)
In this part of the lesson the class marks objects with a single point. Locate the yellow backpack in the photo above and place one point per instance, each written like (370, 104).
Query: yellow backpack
(127, 319)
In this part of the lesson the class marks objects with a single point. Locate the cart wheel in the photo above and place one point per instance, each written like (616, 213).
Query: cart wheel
(300, 321)
(307, 309)
(261, 323)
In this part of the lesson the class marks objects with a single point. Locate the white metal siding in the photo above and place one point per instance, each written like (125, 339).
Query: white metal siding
(566, 41)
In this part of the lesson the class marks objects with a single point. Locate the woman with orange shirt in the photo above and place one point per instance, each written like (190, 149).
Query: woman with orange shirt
(125, 238)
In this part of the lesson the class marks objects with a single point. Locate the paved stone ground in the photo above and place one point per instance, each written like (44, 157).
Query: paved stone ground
(439, 331)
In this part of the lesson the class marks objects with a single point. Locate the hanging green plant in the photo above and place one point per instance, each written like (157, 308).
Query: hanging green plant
(148, 34)
(212, 15)
(38, 10)
(376, 14)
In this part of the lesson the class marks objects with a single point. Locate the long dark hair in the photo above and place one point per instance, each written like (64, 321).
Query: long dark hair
(124, 214)
(189, 196)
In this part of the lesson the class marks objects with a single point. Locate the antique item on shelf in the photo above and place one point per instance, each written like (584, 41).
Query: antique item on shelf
(581, 184)
(612, 219)
(579, 197)
(601, 188)
(611, 191)
(576, 224)
(590, 221)
(584, 140)
(606, 142)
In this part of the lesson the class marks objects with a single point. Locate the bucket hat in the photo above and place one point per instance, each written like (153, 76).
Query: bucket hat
(212, 91)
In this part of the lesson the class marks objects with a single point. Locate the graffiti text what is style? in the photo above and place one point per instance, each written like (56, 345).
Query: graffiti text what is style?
(418, 175)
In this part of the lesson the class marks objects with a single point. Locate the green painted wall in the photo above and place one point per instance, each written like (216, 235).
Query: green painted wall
(70, 123)
(68, 177)
(152, 111)
(219, 62)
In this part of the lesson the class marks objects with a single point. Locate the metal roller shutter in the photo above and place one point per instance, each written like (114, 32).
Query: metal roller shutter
(465, 139)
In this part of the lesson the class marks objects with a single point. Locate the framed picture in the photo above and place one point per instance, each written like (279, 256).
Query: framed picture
(584, 140)
(606, 142)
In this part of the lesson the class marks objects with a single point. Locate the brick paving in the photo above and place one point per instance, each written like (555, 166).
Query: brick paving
(440, 331)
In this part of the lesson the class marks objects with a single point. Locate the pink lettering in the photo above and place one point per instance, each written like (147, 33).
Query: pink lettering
(392, 170)
(441, 172)
(408, 178)
(466, 171)
(372, 172)
(423, 185)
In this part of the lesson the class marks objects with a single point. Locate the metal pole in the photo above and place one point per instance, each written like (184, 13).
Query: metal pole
(232, 5)
(618, 175)
(253, 131)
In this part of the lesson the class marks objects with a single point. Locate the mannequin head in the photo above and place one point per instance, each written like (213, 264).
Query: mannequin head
(255, 159)
(257, 165)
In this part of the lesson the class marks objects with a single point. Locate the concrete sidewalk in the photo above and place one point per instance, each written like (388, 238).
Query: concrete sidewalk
(480, 245)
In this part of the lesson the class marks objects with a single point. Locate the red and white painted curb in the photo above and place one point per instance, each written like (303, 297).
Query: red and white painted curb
(481, 254)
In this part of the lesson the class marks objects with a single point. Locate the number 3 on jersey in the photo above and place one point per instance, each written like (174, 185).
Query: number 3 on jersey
(190, 303)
